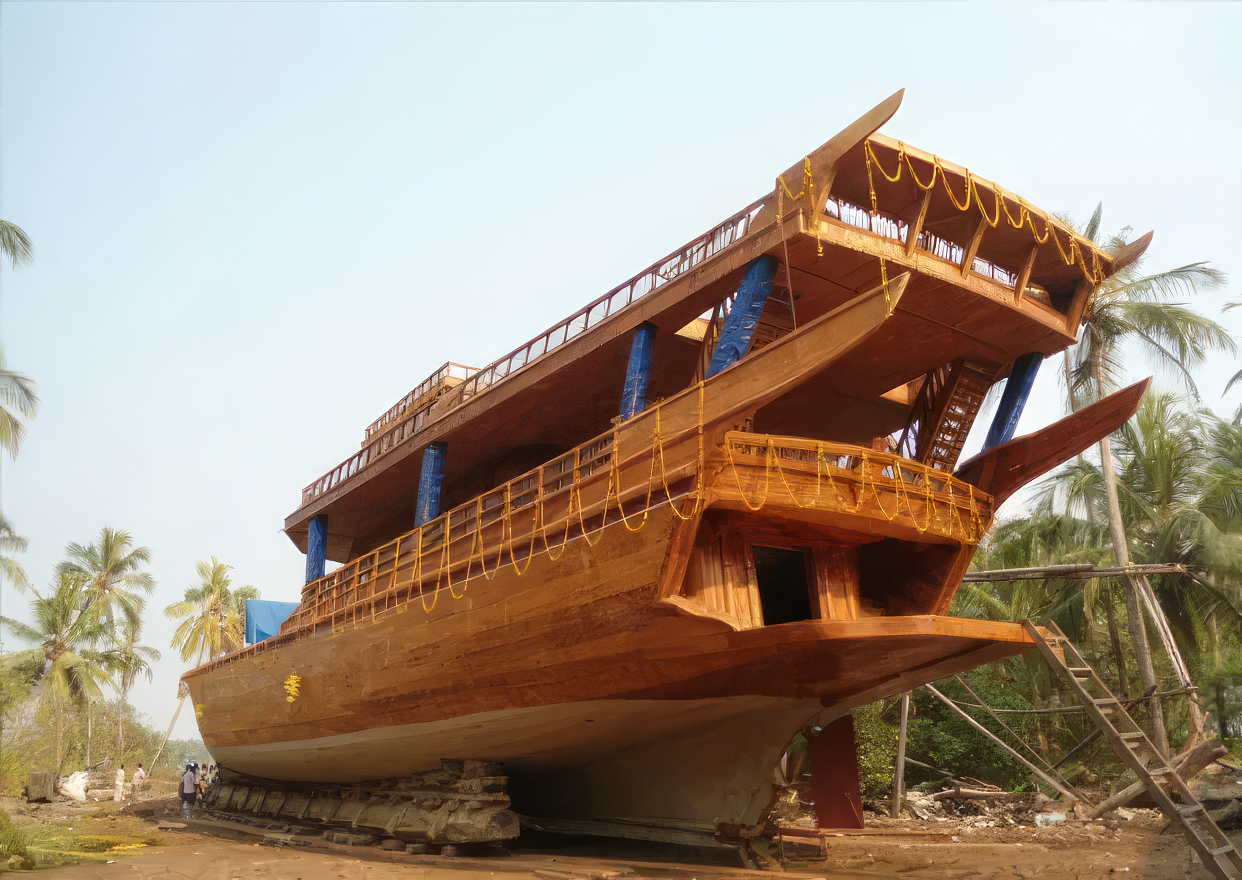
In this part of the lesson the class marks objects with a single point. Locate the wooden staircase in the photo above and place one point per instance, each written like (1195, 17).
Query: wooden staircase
(1218, 855)
(943, 413)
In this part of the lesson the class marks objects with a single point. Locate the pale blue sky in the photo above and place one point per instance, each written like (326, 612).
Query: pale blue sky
(258, 225)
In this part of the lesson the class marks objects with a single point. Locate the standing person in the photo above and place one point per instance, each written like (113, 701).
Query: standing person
(118, 788)
(188, 793)
(140, 776)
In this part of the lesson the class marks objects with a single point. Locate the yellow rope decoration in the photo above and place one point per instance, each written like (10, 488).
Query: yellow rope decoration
(1026, 217)
(858, 479)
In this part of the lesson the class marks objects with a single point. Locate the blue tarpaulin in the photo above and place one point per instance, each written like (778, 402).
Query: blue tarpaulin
(263, 619)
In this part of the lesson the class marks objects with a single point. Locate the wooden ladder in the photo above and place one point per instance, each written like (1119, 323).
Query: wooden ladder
(943, 413)
(1132, 746)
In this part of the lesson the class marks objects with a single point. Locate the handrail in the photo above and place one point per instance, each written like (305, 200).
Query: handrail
(708, 245)
(893, 227)
(712, 243)
(414, 399)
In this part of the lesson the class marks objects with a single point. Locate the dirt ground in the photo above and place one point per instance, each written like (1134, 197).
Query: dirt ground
(77, 842)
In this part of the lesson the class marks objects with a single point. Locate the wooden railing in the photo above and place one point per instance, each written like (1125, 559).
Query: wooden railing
(654, 276)
(716, 241)
(893, 227)
(853, 479)
(540, 511)
(577, 494)
(424, 393)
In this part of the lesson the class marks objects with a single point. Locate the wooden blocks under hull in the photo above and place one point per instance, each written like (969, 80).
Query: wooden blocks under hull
(462, 802)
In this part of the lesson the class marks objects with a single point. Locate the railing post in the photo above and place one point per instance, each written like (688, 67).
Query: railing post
(739, 327)
(429, 484)
(1013, 400)
(637, 373)
(316, 547)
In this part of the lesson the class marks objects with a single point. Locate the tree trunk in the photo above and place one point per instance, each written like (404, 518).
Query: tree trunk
(1119, 654)
(120, 722)
(1134, 610)
(89, 719)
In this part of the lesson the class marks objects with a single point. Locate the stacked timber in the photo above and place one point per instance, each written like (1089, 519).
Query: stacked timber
(462, 802)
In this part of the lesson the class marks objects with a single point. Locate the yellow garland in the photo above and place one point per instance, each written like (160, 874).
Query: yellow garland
(1093, 273)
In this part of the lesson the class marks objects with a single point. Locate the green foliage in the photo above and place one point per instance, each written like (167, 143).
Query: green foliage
(876, 740)
(212, 614)
(12, 841)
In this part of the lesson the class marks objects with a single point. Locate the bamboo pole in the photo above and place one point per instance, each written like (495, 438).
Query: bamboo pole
(979, 727)
(1084, 571)
(899, 775)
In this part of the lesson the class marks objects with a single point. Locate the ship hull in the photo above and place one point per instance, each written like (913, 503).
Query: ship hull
(601, 699)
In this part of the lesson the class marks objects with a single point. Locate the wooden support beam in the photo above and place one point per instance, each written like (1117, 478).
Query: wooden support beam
(638, 371)
(973, 248)
(916, 228)
(979, 727)
(316, 547)
(1079, 300)
(1013, 399)
(739, 327)
(899, 777)
(1024, 274)
(429, 483)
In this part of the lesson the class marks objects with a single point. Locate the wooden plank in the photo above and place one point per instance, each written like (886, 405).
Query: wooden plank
(823, 159)
(976, 238)
(836, 581)
(1024, 274)
(915, 228)
(1004, 469)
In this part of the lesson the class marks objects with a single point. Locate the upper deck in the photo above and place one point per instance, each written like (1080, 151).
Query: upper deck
(991, 278)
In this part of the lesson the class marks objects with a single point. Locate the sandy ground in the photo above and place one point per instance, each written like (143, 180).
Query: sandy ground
(952, 848)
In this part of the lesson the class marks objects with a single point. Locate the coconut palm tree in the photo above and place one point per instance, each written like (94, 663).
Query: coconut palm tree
(111, 577)
(18, 403)
(10, 568)
(1130, 307)
(73, 669)
(132, 660)
(1180, 494)
(212, 614)
(15, 244)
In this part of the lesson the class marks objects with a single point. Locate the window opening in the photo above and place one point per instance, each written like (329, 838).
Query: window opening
(784, 593)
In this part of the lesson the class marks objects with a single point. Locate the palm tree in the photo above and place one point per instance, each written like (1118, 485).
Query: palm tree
(11, 542)
(1133, 307)
(14, 244)
(132, 661)
(112, 581)
(72, 669)
(1180, 496)
(18, 403)
(212, 614)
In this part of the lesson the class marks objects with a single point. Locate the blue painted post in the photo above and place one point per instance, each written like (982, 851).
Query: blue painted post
(1013, 399)
(316, 547)
(739, 327)
(429, 483)
(634, 397)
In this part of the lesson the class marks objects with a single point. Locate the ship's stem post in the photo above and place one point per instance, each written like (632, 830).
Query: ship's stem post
(429, 483)
(316, 547)
(634, 397)
(1013, 400)
(739, 327)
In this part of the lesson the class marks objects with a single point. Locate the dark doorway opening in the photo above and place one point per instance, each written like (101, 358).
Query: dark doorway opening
(783, 584)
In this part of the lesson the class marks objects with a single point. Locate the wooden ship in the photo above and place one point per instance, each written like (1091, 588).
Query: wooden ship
(602, 582)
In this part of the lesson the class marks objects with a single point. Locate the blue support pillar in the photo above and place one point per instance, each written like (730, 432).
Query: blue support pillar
(739, 327)
(1013, 399)
(316, 547)
(634, 397)
(429, 483)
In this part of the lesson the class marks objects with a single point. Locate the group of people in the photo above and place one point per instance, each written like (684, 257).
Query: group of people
(140, 776)
(194, 783)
